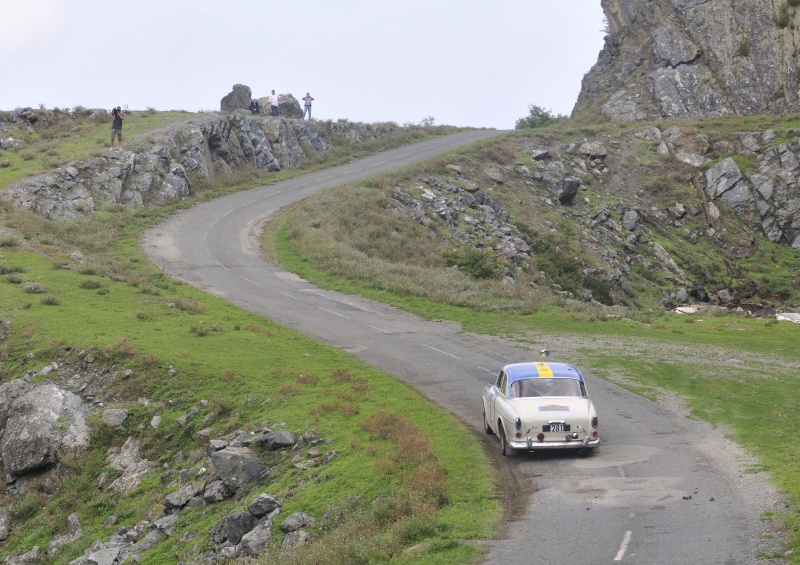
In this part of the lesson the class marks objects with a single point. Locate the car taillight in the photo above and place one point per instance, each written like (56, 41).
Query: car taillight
(594, 433)
(594, 422)
(540, 436)
(517, 423)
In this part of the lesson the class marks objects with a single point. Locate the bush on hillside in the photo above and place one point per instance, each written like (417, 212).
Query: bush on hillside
(538, 117)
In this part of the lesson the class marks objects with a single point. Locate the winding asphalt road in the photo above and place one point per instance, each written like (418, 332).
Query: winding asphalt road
(651, 494)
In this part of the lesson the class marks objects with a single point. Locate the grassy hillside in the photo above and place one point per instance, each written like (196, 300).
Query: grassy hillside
(385, 490)
(743, 370)
(127, 315)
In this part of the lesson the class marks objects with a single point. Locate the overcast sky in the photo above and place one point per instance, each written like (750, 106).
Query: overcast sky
(461, 62)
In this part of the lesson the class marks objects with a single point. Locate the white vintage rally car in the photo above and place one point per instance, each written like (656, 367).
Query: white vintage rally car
(538, 405)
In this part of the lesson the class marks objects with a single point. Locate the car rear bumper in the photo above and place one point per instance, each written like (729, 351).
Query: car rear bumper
(532, 444)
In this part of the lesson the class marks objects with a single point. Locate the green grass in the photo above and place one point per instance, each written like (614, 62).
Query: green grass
(734, 372)
(245, 369)
(255, 373)
(694, 362)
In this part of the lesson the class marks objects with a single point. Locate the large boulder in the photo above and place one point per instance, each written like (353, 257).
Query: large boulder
(42, 425)
(237, 466)
(289, 106)
(237, 99)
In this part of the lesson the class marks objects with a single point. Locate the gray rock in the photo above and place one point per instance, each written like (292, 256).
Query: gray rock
(296, 521)
(167, 524)
(179, 498)
(238, 98)
(630, 219)
(692, 158)
(41, 424)
(132, 465)
(255, 541)
(33, 556)
(216, 491)
(295, 539)
(494, 174)
(5, 523)
(593, 149)
(9, 392)
(233, 527)
(722, 177)
(676, 211)
(672, 48)
(276, 440)
(114, 417)
(237, 466)
(264, 504)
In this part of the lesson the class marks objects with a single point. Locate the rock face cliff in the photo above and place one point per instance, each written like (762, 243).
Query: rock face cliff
(694, 59)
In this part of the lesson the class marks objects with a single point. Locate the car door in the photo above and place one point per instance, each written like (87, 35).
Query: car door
(497, 390)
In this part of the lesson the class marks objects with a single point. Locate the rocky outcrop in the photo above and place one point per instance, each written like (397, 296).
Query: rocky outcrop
(769, 200)
(237, 99)
(694, 59)
(203, 148)
(161, 173)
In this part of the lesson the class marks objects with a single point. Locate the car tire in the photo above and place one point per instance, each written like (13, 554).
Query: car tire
(504, 449)
(486, 427)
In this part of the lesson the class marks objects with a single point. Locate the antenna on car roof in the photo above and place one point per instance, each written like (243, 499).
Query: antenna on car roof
(545, 354)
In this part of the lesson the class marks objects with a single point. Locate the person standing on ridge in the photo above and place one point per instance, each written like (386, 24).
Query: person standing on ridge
(116, 126)
(307, 106)
(273, 101)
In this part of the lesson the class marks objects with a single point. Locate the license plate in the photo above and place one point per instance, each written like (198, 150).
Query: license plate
(555, 427)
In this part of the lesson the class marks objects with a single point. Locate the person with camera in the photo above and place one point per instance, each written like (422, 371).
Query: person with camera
(116, 126)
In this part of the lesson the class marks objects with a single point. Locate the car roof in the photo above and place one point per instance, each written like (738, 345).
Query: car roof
(532, 370)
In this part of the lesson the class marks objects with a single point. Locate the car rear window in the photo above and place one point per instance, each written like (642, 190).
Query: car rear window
(530, 388)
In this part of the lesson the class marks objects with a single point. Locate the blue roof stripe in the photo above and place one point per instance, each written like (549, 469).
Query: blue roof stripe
(519, 371)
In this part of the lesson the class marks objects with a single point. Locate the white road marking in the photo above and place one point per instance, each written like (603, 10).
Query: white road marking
(220, 264)
(276, 192)
(626, 540)
(440, 351)
(228, 212)
(380, 329)
(248, 280)
(483, 369)
(246, 204)
(377, 164)
(334, 313)
(287, 295)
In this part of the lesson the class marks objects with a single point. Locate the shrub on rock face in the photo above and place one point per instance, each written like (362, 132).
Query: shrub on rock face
(538, 117)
